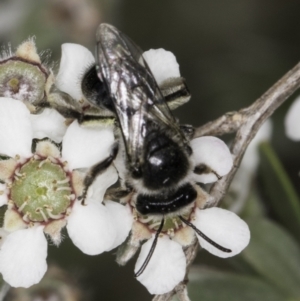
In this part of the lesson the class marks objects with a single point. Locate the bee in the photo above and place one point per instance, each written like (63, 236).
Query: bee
(157, 152)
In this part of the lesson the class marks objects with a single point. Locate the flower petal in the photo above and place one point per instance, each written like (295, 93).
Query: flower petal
(101, 183)
(212, 153)
(16, 131)
(91, 228)
(223, 227)
(75, 60)
(162, 64)
(23, 257)
(122, 218)
(84, 147)
(48, 124)
(166, 267)
(291, 121)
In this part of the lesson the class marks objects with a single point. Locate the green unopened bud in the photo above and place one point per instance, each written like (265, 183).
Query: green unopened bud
(22, 80)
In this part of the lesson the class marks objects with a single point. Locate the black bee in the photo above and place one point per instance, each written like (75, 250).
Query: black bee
(157, 150)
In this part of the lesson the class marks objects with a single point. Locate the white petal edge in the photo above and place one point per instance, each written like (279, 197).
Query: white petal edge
(162, 64)
(23, 257)
(166, 267)
(223, 227)
(122, 219)
(90, 227)
(101, 183)
(75, 60)
(84, 147)
(3, 194)
(292, 122)
(48, 124)
(16, 130)
(215, 154)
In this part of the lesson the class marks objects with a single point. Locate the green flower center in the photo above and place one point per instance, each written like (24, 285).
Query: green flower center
(41, 190)
(171, 223)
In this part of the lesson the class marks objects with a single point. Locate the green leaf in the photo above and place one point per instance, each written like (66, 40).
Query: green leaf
(278, 190)
(209, 285)
(275, 255)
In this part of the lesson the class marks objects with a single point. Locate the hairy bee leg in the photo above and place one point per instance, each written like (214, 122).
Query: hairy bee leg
(95, 120)
(204, 236)
(97, 170)
(204, 169)
(175, 92)
(144, 265)
(117, 193)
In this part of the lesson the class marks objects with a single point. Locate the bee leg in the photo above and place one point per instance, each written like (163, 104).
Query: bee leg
(188, 130)
(97, 170)
(95, 120)
(201, 169)
(117, 193)
(175, 92)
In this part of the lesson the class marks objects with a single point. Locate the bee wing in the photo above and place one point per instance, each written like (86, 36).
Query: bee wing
(136, 96)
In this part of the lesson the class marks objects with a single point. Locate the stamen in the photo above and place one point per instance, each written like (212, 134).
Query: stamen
(18, 173)
(1, 192)
(25, 217)
(145, 220)
(204, 236)
(174, 220)
(39, 210)
(66, 180)
(154, 225)
(144, 265)
(70, 197)
(54, 216)
(171, 232)
(52, 159)
(42, 163)
(64, 188)
(22, 206)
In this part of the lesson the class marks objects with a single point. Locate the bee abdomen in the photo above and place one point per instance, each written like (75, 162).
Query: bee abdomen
(163, 203)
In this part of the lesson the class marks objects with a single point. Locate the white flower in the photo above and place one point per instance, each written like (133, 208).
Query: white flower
(162, 64)
(49, 123)
(50, 200)
(166, 267)
(75, 60)
(211, 160)
(291, 121)
(225, 229)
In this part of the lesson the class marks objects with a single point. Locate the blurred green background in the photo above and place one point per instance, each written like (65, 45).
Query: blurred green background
(230, 52)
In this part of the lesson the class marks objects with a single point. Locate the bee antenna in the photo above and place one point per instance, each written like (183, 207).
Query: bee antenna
(144, 265)
(204, 236)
